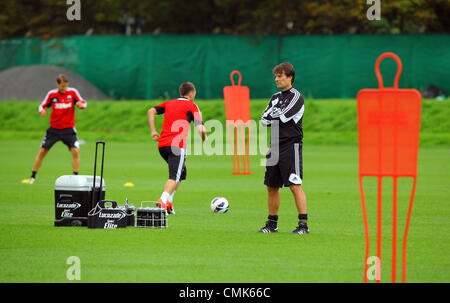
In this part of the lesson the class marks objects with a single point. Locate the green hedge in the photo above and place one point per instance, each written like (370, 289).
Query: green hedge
(325, 121)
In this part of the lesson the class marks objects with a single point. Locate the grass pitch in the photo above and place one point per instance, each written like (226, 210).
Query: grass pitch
(200, 246)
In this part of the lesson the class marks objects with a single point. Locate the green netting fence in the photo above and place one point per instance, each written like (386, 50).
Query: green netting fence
(152, 66)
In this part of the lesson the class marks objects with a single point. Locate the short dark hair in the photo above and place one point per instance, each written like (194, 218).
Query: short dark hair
(286, 68)
(186, 88)
(62, 78)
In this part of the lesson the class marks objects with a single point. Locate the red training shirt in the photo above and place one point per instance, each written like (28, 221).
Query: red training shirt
(178, 114)
(63, 107)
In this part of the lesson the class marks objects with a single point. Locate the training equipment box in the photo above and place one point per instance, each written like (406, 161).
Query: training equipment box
(151, 217)
(105, 217)
(73, 198)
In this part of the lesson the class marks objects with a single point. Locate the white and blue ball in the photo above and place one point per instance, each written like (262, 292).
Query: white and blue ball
(219, 205)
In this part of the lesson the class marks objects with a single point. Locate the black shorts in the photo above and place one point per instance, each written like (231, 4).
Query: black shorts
(288, 168)
(176, 159)
(67, 135)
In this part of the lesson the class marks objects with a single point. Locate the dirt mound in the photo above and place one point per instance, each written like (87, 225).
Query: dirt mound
(32, 82)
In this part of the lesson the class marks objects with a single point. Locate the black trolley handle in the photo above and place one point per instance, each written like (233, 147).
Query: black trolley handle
(101, 169)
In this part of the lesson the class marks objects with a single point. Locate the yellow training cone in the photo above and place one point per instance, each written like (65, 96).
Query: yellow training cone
(129, 184)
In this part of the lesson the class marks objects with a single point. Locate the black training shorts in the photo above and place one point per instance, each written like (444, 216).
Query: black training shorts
(67, 135)
(176, 159)
(288, 169)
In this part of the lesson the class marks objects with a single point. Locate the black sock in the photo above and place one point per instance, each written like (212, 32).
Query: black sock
(302, 218)
(33, 174)
(273, 221)
(75, 173)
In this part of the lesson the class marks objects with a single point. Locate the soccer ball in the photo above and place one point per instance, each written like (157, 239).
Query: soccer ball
(219, 205)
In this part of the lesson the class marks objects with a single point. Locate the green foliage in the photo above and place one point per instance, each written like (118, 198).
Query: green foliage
(47, 18)
(325, 121)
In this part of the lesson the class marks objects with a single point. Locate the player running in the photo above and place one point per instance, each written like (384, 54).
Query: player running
(62, 101)
(178, 114)
(284, 115)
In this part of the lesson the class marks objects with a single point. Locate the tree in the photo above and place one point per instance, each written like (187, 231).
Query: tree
(47, 18)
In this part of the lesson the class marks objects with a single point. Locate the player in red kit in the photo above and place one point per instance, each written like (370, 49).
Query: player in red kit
(62, 101)
(178, 114)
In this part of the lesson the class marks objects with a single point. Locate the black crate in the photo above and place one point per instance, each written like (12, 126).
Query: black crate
(151, 217)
